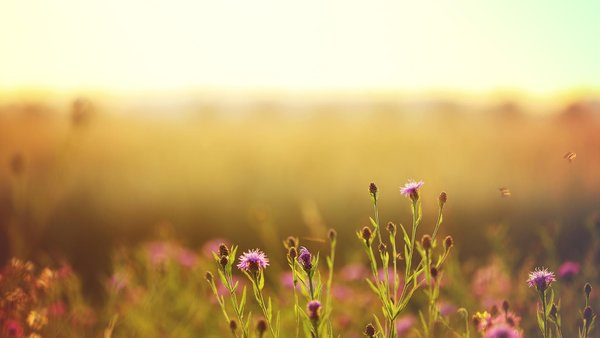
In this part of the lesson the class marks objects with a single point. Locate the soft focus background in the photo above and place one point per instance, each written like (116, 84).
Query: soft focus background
(123, 122)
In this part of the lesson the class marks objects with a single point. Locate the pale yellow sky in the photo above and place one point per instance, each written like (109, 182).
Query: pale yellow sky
(298, 45)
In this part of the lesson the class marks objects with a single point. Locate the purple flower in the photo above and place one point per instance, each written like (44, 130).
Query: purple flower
(305, 259)
(568, 270)
(253, 260)
(502, 331)
(313, 308)
(411, 189)
(540, 278)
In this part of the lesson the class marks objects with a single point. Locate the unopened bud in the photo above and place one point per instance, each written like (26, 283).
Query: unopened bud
(261, 327)
(587, 289)
(448, 242)
(209, 276)
(332, 234)
(223, 251)
(224, 260)
(391, 228)
(292, 253)
(505, 306)
(443, 198)
(233, 325)
(382, 248)
(370, 330)
(366, 234)
(426, 242)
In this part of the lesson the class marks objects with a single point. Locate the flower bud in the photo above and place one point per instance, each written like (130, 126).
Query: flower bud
(314, 309)
(332, 234)
(505, 306)
(370, 330)
(426, 242)
(443, 198)
(209, 276)
(391, 228)
(448, 242)
(223, 251)
(554, 312)
(292, 253)
(373, 191)
(233, 326)
(291, 242)
(587, 289)
(224, 260)
(588, 314)
(366, 235)
(435, 272)
(261, 327)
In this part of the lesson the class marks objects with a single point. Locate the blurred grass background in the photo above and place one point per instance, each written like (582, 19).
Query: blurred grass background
(81, 176)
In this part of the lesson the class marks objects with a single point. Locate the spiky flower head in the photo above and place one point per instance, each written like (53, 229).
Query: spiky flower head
(411, 189)
(541, 279)
(502, 331)
(305, 259)
(370, 330)
(314, 308)
(253, 260)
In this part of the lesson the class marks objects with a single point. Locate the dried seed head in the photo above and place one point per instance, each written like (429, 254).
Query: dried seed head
(505, 306)
(370, 330)
(332, 234)
(209, 276)
(223, 261)
(443, 198)
(366, 234)
(261, 327)
(426, 242)
(382, 248)
(292, 253)
(448, 242)
(391, 228)
(587, 289)
(233, 325)
(223, 251)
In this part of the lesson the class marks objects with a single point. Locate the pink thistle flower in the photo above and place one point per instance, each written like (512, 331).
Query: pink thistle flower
(253, 260)
(503, 331)
(568, 270)
(13, 329)
(411, 189)
(541, 279)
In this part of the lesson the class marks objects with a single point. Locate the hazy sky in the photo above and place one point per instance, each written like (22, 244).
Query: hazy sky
(475, 45)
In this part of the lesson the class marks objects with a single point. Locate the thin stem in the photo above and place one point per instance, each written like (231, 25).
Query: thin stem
(543, 299)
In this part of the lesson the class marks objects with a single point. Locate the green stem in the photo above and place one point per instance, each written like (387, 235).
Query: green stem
(543, 299)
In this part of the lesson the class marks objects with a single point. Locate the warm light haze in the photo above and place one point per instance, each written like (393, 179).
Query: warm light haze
(469, 46)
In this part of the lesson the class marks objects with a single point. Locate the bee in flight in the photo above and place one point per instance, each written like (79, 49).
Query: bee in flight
(570, 156)
(505, 192)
